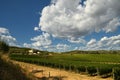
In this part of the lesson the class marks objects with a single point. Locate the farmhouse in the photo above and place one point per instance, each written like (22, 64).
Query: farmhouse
(33, 52)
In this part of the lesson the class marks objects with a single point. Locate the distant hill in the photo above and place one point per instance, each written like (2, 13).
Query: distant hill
(23, 50)
(94, 52)
(14, 49)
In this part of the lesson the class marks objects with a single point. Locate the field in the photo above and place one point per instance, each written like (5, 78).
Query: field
(96, 60)
(92, 64)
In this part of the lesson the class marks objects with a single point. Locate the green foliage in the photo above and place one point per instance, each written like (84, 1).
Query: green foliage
(4, 48)
(18, 50)
(91, 70)
(94, 52)
(61, 66)
(66, 67)
(105, 71)
(81, 69)
(116, 73)
(72, 67)
(100, 64)
(25, 51)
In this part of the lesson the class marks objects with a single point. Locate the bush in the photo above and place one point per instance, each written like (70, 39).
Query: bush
(66, 67)
(72, 67)
(4, 48)
(81, 69)
(105, 71)
(116, 73)
(61, 66)
(91, 70)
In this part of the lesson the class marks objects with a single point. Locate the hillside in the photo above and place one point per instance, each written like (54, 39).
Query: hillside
(10, 71)
(94, 52)
(22, 50)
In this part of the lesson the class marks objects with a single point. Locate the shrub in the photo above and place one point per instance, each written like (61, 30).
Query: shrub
(4, 48)
(81, 69)
(61, 66)
(66, 67)
(116, 73)
(72, 67)
(105, 71)
(91, 70)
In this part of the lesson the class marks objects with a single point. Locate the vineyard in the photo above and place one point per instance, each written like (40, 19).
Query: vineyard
(104, 65)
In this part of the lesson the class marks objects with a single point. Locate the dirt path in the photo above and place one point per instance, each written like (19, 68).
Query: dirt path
(45, 72)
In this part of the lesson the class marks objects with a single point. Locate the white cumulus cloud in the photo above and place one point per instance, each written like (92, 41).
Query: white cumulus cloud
(92, 43)
(69, 18)
(42, 40)
(36, 28)
(105, 43)
(5, 36)
(77, 40)
(62, 47)
(3, 31)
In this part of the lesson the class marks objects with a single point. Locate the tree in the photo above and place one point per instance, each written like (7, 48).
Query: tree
(4, 48)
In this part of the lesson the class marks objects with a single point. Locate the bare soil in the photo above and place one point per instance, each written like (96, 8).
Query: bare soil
(42, 72)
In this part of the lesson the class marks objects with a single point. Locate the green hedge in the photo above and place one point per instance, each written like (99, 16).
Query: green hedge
(81, 69)
(105, 71)
(116, 73)
(91, 70)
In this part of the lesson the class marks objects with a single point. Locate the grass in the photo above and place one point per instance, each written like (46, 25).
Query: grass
(10, 71)
(76, 59)
(92, 64)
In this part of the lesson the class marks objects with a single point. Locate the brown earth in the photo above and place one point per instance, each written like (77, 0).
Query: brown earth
(55, 74)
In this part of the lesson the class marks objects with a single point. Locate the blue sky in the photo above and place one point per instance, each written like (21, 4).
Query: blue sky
(21, 16)
(61, 25)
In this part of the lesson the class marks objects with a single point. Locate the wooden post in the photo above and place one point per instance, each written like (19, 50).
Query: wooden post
(86, 69)
(98, 71)
(59, 67)
(70, 68)
(49, 74)
(113, 73)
